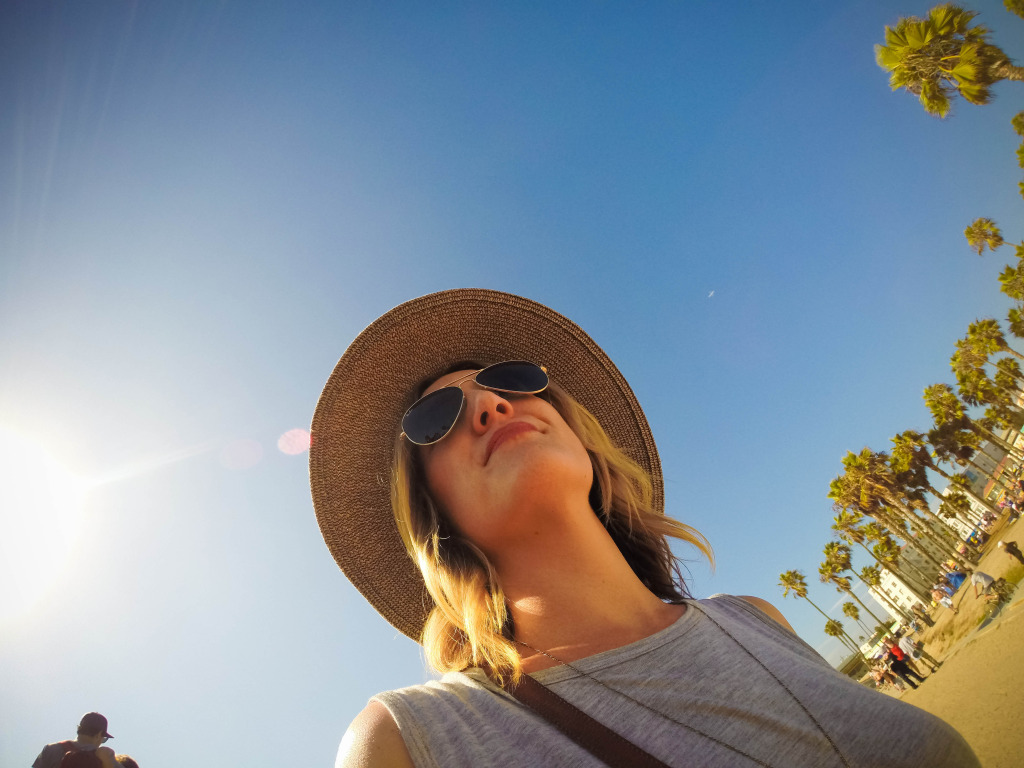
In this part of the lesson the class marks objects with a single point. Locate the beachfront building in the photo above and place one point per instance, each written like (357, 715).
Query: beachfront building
(895, 596)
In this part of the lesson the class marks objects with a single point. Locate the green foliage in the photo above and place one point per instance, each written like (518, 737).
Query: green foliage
(941, 56)
(793, 581)
(983, 233)
(1015, 6)
(871, 575)
(1011, 281)
(1003, 416)
(851, 610)
(1008, 374)
(943, 403)
(1015, 321)
(1020, 155)
(1018, 119)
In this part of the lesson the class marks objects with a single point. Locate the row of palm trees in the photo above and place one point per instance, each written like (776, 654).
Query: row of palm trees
(882, 499)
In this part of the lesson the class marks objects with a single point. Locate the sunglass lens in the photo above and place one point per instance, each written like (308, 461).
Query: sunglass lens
(431, 417)
(513, 376)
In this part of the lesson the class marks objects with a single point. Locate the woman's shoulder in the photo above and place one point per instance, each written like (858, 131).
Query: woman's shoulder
(754, 606)
(373, 739)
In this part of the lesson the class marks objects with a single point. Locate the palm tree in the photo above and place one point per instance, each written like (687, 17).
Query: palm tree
(1014, 318)
(846, 525)
(849, 609)
(1015, 6)
(982, 234)
(835, 629)
(871, 487)
(942, 55)
(910, 454)
(987, 338)
(952, 443)
(1009, 375)
(794, 581)
(847, 495)
(830, 572)
(872, 576)
(891, 556)
(946, 407)
(1011, 281)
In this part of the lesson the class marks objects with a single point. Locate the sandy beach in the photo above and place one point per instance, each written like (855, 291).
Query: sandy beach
(979, 689)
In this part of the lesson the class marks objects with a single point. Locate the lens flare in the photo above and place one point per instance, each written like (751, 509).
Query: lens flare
(293, 442)
(241, 454)
(41, 511)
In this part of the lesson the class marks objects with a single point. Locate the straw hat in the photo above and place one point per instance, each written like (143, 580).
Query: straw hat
(357, 419)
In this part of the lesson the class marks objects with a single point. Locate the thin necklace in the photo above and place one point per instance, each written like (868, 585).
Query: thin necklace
(690, 727)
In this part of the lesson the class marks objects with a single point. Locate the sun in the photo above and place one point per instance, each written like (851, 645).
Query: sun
(41, 511)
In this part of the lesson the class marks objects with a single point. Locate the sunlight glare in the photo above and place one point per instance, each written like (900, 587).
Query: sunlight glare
(241, 454)
(293, 442)
(41, 511)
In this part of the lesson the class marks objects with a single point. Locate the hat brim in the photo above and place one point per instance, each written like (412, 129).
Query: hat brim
(357, 420)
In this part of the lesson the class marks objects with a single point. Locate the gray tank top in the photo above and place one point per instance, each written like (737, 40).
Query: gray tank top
(694, 673)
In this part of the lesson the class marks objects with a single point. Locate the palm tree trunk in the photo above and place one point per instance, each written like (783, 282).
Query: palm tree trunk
(850, 593)
(855, 646)
(964, 489)
(889, 568)
(923, 530)
(993, 438)
(932, 516)
(919, 528)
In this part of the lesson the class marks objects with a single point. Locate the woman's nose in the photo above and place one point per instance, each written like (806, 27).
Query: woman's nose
(484, 407)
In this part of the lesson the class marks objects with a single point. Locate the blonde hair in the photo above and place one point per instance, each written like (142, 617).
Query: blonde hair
(470, 624)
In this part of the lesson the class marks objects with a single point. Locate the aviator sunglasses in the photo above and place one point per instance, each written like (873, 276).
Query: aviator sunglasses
(432, 417)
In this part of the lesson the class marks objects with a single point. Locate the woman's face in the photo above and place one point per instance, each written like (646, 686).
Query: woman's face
(508, 466)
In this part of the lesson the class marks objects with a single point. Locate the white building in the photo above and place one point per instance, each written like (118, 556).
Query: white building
(894, 590)
(965, 522)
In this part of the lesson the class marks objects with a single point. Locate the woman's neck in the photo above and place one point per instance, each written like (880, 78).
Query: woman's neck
(572, 594)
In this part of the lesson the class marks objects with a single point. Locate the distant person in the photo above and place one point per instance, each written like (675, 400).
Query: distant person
(898, 665)
(84, 752)
(126, 762)
(942, 598)
(1011, 548)
(955, 579)
(913, 652)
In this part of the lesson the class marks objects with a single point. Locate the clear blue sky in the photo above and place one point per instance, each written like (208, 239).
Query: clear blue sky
(201, 204)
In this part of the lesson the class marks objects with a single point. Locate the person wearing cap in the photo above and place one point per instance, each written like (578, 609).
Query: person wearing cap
(92, 732)
(484, 475)
(1011, 548)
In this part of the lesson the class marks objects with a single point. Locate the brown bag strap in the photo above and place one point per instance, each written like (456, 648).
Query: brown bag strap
(599, 740)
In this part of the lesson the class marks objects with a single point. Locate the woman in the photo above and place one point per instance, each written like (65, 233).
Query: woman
(523, 539)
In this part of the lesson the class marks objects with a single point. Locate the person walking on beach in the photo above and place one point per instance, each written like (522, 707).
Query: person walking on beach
(914, 653)
(899, 666)
(85, 751)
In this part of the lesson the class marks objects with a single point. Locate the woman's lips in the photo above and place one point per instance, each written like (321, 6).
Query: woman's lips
(506, 432)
